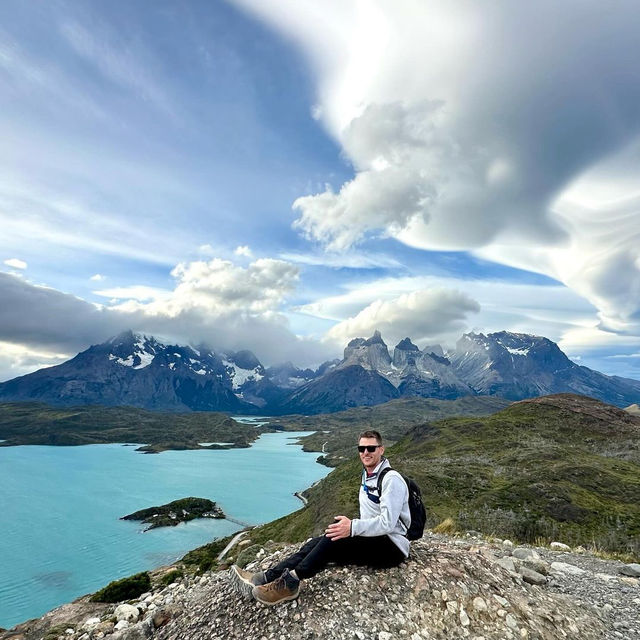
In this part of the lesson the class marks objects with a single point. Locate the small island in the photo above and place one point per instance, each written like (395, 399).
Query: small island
(173, 513)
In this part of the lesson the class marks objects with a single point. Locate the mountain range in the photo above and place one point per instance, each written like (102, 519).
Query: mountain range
(137, 370)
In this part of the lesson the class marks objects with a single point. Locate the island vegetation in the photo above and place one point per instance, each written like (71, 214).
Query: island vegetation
(173, 513)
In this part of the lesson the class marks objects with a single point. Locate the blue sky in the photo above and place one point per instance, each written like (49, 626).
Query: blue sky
(286, 175)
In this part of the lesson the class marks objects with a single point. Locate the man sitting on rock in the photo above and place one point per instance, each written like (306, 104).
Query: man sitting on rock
(376, 539)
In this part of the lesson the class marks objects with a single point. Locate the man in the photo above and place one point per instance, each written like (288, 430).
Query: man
(376, 539)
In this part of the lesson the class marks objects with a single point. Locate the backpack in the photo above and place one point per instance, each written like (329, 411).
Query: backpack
(416, 507)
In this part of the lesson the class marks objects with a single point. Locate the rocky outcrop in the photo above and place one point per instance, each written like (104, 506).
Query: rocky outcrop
(633, 409)
(449, 588)
(371, 353)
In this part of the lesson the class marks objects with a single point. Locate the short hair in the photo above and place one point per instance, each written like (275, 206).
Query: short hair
(371, 434)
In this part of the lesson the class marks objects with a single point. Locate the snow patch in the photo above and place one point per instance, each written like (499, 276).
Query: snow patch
(240, 376)
(517, 352)
(146, 357)
(145, 360)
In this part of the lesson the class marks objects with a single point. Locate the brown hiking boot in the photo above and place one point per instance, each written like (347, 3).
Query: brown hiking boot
(244, 581)
(284, 588)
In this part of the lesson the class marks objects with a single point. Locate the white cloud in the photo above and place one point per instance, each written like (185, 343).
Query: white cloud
(551, 311)
(18, 359)
(425, 316)
(215, 302)
(220, 286)
(97, 277)
(243, 250)
(478, 127)
(16, 263)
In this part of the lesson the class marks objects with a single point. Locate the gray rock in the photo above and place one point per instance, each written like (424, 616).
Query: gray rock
(90, 623)
(632, 570)
(564, 568)
(532, 577)
(539, 566)
(523, 553)
(479, 604)
(559, 546)
(506, 563)
(127, 612)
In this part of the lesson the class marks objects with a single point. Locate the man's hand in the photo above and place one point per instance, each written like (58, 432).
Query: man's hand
(339, 529)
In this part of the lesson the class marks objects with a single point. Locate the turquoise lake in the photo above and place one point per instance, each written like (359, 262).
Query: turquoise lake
(60, 533)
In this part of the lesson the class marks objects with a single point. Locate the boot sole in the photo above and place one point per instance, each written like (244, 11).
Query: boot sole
(240, 584)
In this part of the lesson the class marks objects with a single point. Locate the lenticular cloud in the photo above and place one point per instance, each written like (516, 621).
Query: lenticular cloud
(469, 126)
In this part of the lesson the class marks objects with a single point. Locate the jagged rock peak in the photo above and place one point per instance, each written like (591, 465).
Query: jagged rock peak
(376, 338)
(406, 345)
(245, 359)
(370, 354)
(434, 349)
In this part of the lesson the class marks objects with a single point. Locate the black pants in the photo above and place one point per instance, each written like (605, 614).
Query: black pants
(378, 552)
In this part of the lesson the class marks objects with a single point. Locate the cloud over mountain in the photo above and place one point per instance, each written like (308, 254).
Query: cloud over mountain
(215, 302)
(426, 315)
(482, 128)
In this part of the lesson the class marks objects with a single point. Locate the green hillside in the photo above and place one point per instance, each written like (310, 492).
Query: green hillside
(35, 423)
(339, 431)
(559, 467)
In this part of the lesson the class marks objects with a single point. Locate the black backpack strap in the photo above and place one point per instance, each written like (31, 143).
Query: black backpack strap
(381, 475)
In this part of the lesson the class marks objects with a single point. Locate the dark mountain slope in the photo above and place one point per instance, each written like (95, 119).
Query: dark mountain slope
(351, 386)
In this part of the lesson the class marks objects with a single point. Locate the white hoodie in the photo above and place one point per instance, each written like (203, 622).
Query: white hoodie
(391, 515)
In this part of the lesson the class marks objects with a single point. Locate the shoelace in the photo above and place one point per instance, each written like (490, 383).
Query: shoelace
(277, 584)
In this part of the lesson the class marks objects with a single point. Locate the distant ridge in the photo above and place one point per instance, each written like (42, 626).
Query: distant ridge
(137, 370)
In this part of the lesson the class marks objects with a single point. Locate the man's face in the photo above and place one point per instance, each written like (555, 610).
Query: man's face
(370, 460)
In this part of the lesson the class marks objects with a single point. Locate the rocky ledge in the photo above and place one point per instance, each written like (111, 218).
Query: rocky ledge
(173, 513)
(450, 588)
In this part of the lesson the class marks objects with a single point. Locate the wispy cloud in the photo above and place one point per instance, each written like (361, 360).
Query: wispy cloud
(116, 59)
(351, 260)
(16, 263)
(479, 131)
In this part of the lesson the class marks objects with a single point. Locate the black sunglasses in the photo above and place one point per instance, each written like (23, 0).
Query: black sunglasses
(368, 447)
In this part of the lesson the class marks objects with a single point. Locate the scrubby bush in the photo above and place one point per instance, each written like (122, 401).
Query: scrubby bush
(124, 589)
(248, 555)
(171, 576)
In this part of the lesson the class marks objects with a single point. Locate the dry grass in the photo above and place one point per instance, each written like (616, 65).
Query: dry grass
(447, 526)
